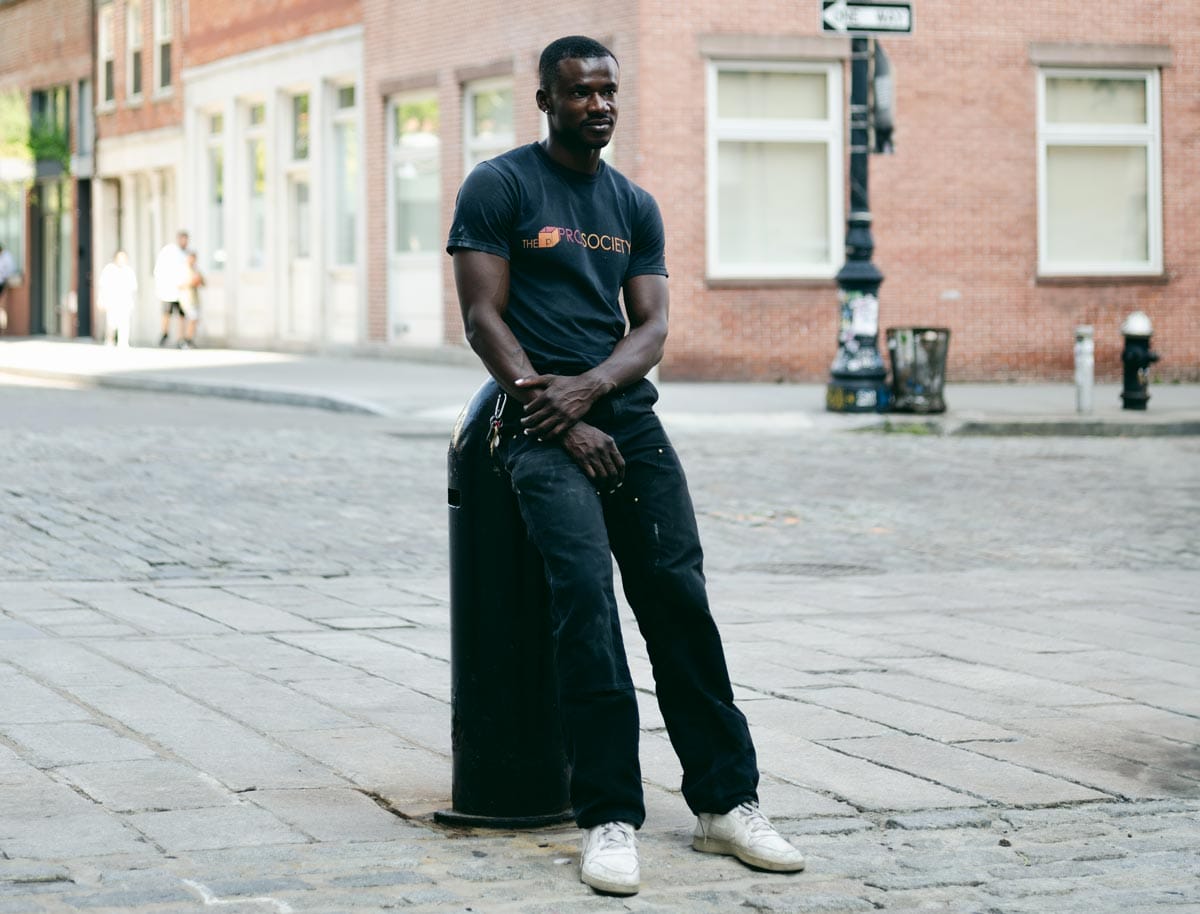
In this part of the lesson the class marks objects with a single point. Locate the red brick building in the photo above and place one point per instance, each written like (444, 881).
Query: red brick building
(45, 73)
(1044, 176)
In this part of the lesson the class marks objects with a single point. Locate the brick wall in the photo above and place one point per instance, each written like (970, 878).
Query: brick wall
(955, 209)
(223, 28)
(156, 108)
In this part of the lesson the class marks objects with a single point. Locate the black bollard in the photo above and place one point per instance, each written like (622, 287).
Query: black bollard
(510, 767)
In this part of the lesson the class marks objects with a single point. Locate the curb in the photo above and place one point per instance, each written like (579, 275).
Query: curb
(256, 394)
(1035, 428)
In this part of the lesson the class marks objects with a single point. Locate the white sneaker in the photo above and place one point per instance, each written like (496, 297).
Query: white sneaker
(746, 833)
(610, 859)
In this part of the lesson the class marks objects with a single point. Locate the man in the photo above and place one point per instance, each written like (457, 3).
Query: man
(170, 278)
(118, 298)
(8, 269)
(544, 239)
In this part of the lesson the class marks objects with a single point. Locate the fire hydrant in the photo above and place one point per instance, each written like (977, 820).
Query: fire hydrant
(1137, 359)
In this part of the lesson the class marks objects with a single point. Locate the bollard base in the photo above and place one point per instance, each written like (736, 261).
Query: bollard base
(469, 820)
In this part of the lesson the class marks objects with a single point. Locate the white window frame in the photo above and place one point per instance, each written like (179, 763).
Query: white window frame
(134, 43)
(215, 142)
(340, 117)
(828, 131)
(254, 133)
(1148, 135)
(164, 28)
(397, 156)
(105, 55)
(501, 142)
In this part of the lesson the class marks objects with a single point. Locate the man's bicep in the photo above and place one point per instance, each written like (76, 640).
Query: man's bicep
(481, 280)
(646, 299)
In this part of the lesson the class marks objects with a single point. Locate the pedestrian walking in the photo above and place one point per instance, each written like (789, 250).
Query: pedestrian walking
(8, 269)
(118, 299)
(189, 300)
(545, 240)
(170, 277)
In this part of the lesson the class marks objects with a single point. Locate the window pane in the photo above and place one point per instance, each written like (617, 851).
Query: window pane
(771, 95)
(108, 80)
(773, 203)
(216, 205)
(258, 114)
(345, 97)
(345, 142)
(300, 126)
(257, 210)
(300, 242)
(216, 124)
(492, 114)
(1095, 101)
(164, 65)
(418, 206)
(417, 123)
(1096, 200)
(135, 75)
(133, 24)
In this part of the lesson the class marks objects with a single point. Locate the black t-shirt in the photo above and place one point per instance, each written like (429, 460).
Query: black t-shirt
(571, 240)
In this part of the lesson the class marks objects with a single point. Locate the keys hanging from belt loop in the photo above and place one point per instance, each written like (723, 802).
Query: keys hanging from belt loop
(497, 422)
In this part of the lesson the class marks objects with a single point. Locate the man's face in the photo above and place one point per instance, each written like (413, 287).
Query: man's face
(581, 106)
(182, 240)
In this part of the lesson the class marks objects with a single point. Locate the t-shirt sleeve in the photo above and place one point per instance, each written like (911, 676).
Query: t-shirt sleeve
(649, 242)
(484, 213)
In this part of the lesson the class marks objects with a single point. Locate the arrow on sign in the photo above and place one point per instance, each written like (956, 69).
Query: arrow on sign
(849, 16)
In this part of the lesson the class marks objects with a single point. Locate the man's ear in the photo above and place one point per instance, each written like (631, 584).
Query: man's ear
(543, 101)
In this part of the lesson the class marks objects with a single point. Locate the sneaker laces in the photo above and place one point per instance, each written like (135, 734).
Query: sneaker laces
(615, 834)
(756, 823)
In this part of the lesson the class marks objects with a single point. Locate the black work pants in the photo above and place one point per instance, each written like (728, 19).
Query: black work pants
(649, 525)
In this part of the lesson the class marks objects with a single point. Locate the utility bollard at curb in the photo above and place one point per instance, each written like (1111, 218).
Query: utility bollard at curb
(510, 768)
(1085, 368)
(1137, 358)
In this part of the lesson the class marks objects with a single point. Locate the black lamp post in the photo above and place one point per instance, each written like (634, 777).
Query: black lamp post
(858, 377)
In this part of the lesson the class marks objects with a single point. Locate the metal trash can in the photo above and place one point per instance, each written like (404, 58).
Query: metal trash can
(918, 368)
(510, 765)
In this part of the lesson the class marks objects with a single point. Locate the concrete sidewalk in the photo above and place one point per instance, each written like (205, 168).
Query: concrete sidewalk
(427, 395)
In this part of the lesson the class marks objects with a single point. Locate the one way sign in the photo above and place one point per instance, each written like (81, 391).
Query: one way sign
(848, 17)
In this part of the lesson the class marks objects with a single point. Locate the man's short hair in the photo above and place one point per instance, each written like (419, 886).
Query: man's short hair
(572, 47)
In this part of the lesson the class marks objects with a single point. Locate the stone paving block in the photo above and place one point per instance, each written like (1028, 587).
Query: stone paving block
(1171, 756)
(802, 720)
(860, 782)
(224, 826)
(910, 717)
(366, 623)
(416, 671)
(233, 611)
(144, 612)
(379, 761)
(63, 664)
(234, 754)
(147, 785)
(967, 771)
(432, 641)
(19, 597)
(992, 679)
(49, 745)
(13, 631)
(1165, 696)
(331, 814)
(75, 615)
(799, 658)
(37, 796)
(23, 701)
(257, 702)
(265, 656)
(1141, 718)
(998, 709)
(153, 654)
(422, 721)
(951, 818)
(90, 833)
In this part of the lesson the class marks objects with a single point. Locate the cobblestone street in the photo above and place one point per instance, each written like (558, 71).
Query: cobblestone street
(971, 666)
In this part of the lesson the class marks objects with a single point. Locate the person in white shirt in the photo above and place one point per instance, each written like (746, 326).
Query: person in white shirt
(8, 269)
(118, 297)
(170, 277)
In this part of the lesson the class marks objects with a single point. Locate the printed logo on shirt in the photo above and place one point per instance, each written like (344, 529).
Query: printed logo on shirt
(551, 235)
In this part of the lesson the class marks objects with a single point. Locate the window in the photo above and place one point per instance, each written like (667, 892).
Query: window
(85, 118)
(12, 220)
(346, 177)
(133, 49)
(416, 175)
(300, 127)
(488, 116)
(256, 174)
(162, 43)
(216, 191)
(50, 120)
(1099, 172)
(104, 49)
(774, 170)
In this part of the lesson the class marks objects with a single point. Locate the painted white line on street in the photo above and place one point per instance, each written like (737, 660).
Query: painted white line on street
(209, 899)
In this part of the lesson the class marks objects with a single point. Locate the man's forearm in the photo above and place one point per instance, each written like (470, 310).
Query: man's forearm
(501, 354)
(631, 359)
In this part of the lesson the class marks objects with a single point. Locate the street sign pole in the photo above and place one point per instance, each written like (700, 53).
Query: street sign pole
(858, 378)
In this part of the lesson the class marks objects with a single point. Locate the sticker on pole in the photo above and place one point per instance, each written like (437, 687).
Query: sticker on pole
(849, 17)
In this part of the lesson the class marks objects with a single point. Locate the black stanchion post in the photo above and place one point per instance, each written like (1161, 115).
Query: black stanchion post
(510, 768)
